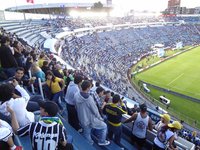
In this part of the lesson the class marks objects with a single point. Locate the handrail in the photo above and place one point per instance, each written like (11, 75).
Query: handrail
(40, 87)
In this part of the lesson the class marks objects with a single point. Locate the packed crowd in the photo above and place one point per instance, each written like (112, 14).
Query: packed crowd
(88, 107)
(190, 19)
(107, 56)
(76, 23)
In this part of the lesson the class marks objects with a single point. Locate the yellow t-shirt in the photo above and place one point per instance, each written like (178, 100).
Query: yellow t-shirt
(40, 62)
(55, 87)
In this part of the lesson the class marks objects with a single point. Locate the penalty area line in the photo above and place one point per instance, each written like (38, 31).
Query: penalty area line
(175, 79)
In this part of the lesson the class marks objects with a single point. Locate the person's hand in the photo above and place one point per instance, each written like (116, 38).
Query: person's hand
(9, 109)
(15, 83)
(32, 80)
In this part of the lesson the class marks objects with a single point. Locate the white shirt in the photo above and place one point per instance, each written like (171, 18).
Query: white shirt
(159, 125)
(5, 131)
(18, 105)
(162, 142)
(140, 126)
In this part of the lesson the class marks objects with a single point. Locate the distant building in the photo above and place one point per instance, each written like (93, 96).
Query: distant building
(197, 10)
(174, 8)
(174, 3)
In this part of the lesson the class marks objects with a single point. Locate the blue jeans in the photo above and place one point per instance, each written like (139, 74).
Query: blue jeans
(101, 130)
(55, 98)
(116, 132)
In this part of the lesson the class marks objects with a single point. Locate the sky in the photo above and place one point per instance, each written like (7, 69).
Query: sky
(151, 5)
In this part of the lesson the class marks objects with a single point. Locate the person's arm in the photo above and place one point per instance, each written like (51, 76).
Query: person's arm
(62, 136)
(150, 126)
(31, 80)
(171, 140)
(94, 109)
(133, 117)
(21, 90)
(63, 84)
(104, 110)
(103, 105)
(14, 122)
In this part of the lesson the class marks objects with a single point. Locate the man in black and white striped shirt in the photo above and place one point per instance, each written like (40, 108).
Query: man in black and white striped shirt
(48, 133)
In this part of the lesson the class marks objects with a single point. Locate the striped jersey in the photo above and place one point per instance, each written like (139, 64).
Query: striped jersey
(114, 113)
(44, 136)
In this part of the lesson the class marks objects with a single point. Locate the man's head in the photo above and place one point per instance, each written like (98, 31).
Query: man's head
(6, 92)
(86, 85)
(116, 99)
(5, 40)
(100, 91)
(78, 79)
(97, 84)
(45, 63)
(135, 106)
(107, 94)
(19, 73)
(165, 118)
(143, 107)
(48, 108)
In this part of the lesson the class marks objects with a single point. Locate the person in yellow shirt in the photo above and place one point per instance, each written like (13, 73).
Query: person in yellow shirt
(56, 86)
(41, 59)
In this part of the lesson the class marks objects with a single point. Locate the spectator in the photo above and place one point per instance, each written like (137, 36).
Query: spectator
(21, 79)
(25, 83)
(164, 120)
(45, 66)
(97, 84)
(18, 53)
(73, 88)
(6, 140)
(37, 72)
(141, 122)
(166, 135)
(8, 61)
(7, 96)
(133, 110)
(114, 112)
(46, 134)
(107, 98)
(97, 95)
(89, 116)
(56, 86)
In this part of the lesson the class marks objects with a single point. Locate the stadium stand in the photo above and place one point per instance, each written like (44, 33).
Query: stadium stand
(94, 55)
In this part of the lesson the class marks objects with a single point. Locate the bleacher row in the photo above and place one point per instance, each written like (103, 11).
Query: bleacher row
(27, 30)
(30, 35)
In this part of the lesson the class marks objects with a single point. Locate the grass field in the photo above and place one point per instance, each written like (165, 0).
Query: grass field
(180, 74)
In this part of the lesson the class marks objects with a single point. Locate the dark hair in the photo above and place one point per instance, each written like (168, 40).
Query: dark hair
(45, 63)
(50, 73)
(112, 94)
(6, 92)
(116, 98)
(42, 55)
(15, 44)
(99, 90)
(85, 85)
(4, 39)
(78, 79)
(20, 69)
(106, 92)
(97, 84)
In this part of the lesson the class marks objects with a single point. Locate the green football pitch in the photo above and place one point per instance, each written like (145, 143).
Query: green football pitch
(180, 74)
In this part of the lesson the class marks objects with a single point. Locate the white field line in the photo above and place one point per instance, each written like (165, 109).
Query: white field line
(175, 79)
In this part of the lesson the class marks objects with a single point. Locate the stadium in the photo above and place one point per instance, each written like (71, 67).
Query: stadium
(86, 79)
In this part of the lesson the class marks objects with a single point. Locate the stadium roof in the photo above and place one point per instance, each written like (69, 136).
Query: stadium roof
(34, 7)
